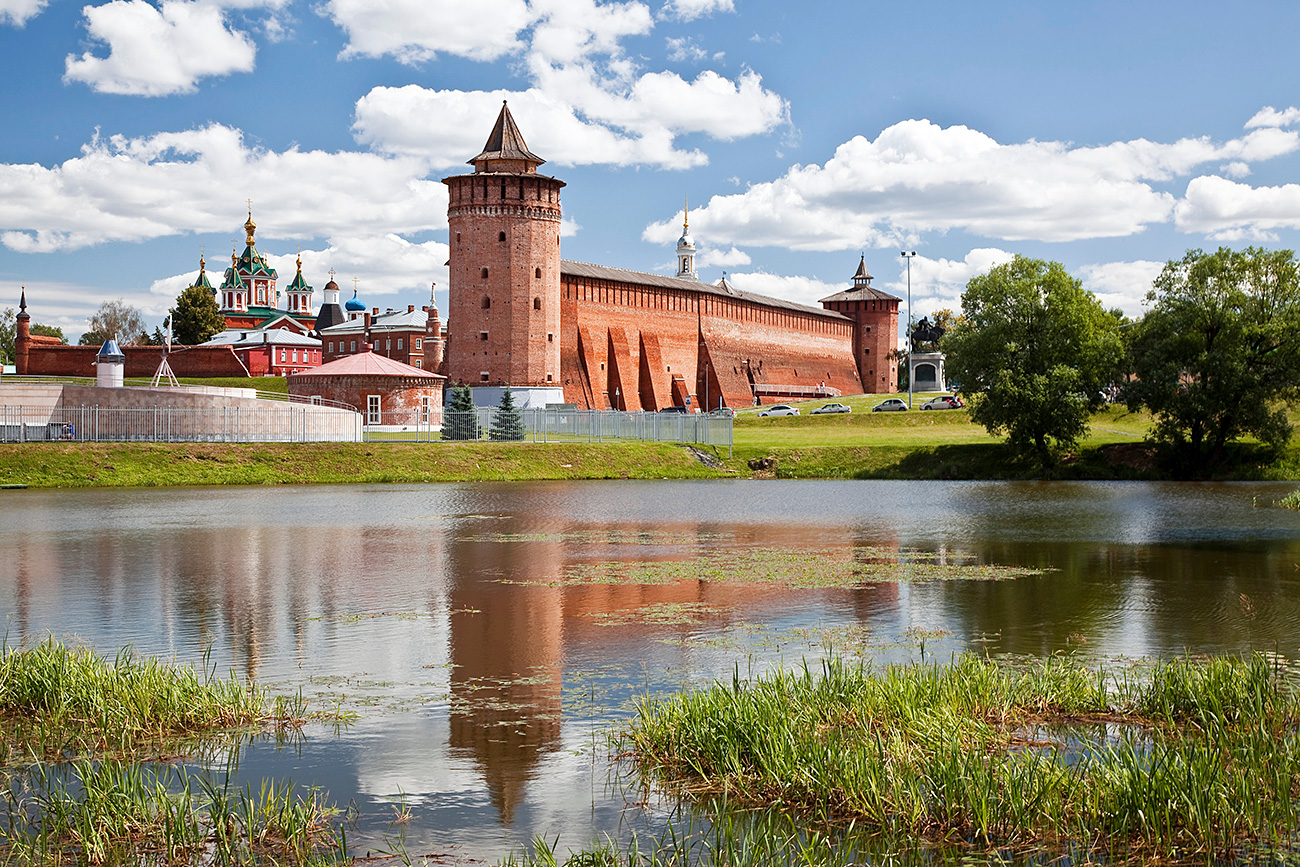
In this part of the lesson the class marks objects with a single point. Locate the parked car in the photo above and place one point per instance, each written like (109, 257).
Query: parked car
(831, 407)
(779, 409)
(673, 409)
(723, 412)
(891, 405)
(943, 401)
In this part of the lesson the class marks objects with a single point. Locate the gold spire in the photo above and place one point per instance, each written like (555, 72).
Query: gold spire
(686, 214)
(250, 227)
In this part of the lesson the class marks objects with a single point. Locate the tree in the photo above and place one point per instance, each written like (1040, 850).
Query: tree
(1033, 352)
(1218, 351)
(509, 421)
(48, 331)
(8, 331)
(460, 422)
(195, 318)
(118, 320)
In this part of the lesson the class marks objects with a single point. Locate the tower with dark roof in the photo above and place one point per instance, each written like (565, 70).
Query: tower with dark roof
(504, 232)
(875, 338)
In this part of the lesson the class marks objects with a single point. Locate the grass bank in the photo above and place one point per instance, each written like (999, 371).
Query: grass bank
(63, 465)
(1187, 761)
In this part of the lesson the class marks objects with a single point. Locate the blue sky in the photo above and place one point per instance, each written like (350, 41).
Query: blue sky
(1109, 136)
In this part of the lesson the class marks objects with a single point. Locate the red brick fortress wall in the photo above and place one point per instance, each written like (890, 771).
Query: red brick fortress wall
(141, 361)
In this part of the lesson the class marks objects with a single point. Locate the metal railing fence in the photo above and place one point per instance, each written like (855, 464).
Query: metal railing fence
(568, 425)
(219, 424)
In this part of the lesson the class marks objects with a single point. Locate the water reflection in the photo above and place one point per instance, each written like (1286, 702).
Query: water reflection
(443, 616)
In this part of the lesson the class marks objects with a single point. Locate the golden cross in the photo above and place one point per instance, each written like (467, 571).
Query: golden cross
(331, 273)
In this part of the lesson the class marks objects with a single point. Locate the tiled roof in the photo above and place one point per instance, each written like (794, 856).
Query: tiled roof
(506, 142)
(393, 320)
(368, 364)
(240, 338)
(640, 278)
(862, 293)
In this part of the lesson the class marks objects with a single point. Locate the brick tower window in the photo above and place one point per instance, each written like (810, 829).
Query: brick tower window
(483, 274)
(501, 236)
(537, 304)
(487, 303)
(537, 272)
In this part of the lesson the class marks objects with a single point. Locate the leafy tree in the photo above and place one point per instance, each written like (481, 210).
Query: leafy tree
(195, 318)
(48, 331)
(509, 421)
(8, 331)
(460, 422)
(118, 320)
(1033, 351)
(1218, 351)
(92, 338)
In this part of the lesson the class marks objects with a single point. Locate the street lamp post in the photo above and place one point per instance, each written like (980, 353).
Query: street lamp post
(909, 257)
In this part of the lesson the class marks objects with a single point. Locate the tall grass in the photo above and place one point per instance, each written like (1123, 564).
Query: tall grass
(113, 813)
(58, 701)
(1189, 760)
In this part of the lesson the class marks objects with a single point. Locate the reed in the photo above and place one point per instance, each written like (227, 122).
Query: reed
(58, 701)
(116, 813)
(1184, 760)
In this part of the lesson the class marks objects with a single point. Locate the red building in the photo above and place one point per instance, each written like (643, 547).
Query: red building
(387, 392)
(276, 351)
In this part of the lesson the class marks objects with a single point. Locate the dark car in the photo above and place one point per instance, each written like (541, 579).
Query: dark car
(681, 409)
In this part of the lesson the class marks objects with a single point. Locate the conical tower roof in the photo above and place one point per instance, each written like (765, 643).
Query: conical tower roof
(505, 149)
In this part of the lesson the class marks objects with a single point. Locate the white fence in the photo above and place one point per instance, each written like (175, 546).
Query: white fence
(277, 422)
(571, 425)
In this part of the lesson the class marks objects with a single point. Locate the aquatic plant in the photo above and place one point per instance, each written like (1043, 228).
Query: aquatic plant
(1184, 760)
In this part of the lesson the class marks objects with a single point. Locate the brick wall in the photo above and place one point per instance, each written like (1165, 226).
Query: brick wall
(401, 398)
(141, 361)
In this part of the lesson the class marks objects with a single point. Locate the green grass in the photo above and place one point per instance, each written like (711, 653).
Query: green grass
(1189, 761)
(63, 465)
(58, 702)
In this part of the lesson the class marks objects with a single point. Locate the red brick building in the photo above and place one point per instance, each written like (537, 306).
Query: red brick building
(595, 336)
(385, 391)
(413, 337)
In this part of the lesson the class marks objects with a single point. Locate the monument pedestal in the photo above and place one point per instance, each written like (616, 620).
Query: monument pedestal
(925, 371)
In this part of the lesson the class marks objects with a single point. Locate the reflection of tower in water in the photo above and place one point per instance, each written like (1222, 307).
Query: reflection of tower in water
(506, 655)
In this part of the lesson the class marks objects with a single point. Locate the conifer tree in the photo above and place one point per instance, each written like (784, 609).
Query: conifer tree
(509, 421)
(460, 421)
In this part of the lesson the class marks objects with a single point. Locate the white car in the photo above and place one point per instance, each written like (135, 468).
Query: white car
(831, 407)
(779, 409)
(891, 405)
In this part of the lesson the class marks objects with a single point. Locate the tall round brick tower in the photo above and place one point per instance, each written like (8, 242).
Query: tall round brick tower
(504, 313)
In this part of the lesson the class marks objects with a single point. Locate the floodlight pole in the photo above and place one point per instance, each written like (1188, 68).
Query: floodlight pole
(908, 332)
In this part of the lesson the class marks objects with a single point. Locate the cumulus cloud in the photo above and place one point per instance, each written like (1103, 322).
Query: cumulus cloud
(801, 290)
(19, 12)
(161, 50)
(636, 128)
(709, 258)
(588, 102)
(938, 283)
(682, 49)
(1121, 284)
(414, 31)
(689, 10)
(1230, 211)
(918, 177)
(1268, 116)
(132, 189)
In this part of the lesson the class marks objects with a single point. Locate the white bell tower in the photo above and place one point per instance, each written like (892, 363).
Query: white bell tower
(686, 249)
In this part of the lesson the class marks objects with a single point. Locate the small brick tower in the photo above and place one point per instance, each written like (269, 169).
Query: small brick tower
(22, 335)
(504, 232)
(876, 336)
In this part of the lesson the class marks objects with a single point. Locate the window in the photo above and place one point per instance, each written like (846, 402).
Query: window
(487, 302)
(331, 347)
(281, 355)
(295, 356)
(424, 409)
(548, 377)
(354, 346)
(550, 338)
(537, 304)
(419, 343)
(538, 273)
(399, 343)
(418, 364)
(482, 335)
(484, 274)
(372, 409)
(483, 376)
(501, 236)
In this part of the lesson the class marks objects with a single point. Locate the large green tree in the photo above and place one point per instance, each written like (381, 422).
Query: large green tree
(1218, 353)
(1033, 351)
(48, 331)
(195, 318)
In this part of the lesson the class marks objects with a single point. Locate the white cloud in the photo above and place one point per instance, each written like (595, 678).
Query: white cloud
(938, 283)
(683, 49)
(689, 10)
(801, 290)
(918, 177)
(1121, 284)
(156, 51)
(1229, 211)
(19, 12)
(1270, 116)
(418, 30)
(730, 258)
(124, 189)
(637, 128)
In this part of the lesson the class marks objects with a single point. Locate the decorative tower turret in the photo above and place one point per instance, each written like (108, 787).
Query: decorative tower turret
(433, 346)
(299, 293)
(330, 311)
(22, 334)
(504, 230)
(686, 249)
